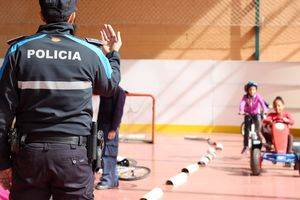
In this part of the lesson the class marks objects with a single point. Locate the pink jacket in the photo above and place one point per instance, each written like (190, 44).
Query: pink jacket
(254, 105)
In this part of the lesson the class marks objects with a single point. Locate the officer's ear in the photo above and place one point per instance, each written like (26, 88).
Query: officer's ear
(72, 17)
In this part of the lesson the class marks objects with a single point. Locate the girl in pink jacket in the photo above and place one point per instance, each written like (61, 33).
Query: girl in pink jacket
(252, 105)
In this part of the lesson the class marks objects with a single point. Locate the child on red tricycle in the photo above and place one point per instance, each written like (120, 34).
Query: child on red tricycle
(277, 133)
(279, 115)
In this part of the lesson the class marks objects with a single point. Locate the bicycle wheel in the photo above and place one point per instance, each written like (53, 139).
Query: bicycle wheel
(132, 162)
(242, 129)
(133, 173)
(126, 162)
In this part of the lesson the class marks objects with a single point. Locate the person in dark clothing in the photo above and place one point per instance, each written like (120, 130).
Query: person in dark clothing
(46, 83)
(109, 119)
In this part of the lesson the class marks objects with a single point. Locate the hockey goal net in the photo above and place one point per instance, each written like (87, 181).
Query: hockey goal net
(138, 122)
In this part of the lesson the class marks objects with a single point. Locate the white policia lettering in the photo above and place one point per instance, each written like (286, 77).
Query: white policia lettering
(62, 55)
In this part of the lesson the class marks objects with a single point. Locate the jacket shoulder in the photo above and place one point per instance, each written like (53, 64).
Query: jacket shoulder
(288, 114)
(259, 95)
(122, 91)
(16, 39)
(94, 41)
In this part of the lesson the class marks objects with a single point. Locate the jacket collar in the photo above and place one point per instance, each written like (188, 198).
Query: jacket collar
(58, 28)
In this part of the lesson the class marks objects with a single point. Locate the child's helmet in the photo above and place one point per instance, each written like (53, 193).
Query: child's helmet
(249, 85)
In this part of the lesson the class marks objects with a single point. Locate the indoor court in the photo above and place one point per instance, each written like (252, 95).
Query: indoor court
(228, 176)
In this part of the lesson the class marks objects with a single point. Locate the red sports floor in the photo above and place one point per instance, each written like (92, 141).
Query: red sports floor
(226, 177)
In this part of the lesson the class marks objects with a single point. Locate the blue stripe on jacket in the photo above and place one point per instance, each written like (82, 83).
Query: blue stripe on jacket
(102, 57)
(14, 47)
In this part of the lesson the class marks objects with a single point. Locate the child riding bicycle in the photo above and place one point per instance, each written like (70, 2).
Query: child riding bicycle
(252, 105)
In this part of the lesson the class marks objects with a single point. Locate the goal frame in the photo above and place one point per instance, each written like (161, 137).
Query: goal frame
(153, 114)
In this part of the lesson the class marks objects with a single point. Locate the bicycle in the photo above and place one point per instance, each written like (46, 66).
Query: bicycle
(132, 172)
(253, 138)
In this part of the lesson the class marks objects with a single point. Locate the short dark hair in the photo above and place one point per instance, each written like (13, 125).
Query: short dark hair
(57, 10)
(278, 98)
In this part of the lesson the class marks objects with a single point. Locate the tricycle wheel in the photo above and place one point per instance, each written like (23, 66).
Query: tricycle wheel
(255, 161)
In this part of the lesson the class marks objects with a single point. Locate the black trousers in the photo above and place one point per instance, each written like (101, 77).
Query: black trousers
(249, 119)
(41, 170)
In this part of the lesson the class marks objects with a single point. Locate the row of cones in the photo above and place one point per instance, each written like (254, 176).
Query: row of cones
(181, 178)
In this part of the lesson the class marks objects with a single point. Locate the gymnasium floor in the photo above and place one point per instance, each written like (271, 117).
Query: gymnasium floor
(226, 177)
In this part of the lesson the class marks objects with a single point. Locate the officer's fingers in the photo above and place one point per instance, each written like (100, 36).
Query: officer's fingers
(103, 34)
(119, 38)
(104, 30)
(107, 30)
(111, 31)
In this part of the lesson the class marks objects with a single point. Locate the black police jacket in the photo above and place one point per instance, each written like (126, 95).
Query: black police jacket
(47, 81)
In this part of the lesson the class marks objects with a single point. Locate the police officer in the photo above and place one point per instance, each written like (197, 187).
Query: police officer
(109, 119)
(46, 82)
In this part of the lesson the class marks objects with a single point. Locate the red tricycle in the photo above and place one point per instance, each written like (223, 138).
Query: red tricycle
(280, 132)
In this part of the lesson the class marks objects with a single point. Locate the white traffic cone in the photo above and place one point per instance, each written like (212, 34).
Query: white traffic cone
(155, 194)
(214, 155)
(177, 180)
(192, 168)
(209, 156)
(203, 161)
(219, 147)
(211, 150)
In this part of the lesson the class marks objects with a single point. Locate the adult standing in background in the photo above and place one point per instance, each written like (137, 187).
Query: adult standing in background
(109, 120)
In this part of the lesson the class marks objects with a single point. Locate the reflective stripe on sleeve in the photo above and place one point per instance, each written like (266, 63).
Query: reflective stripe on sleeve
(54, 85)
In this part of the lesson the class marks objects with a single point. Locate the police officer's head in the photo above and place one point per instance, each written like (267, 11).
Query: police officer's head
(53, 11)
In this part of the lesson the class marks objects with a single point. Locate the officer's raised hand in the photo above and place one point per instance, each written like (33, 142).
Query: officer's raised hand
(111, 40)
